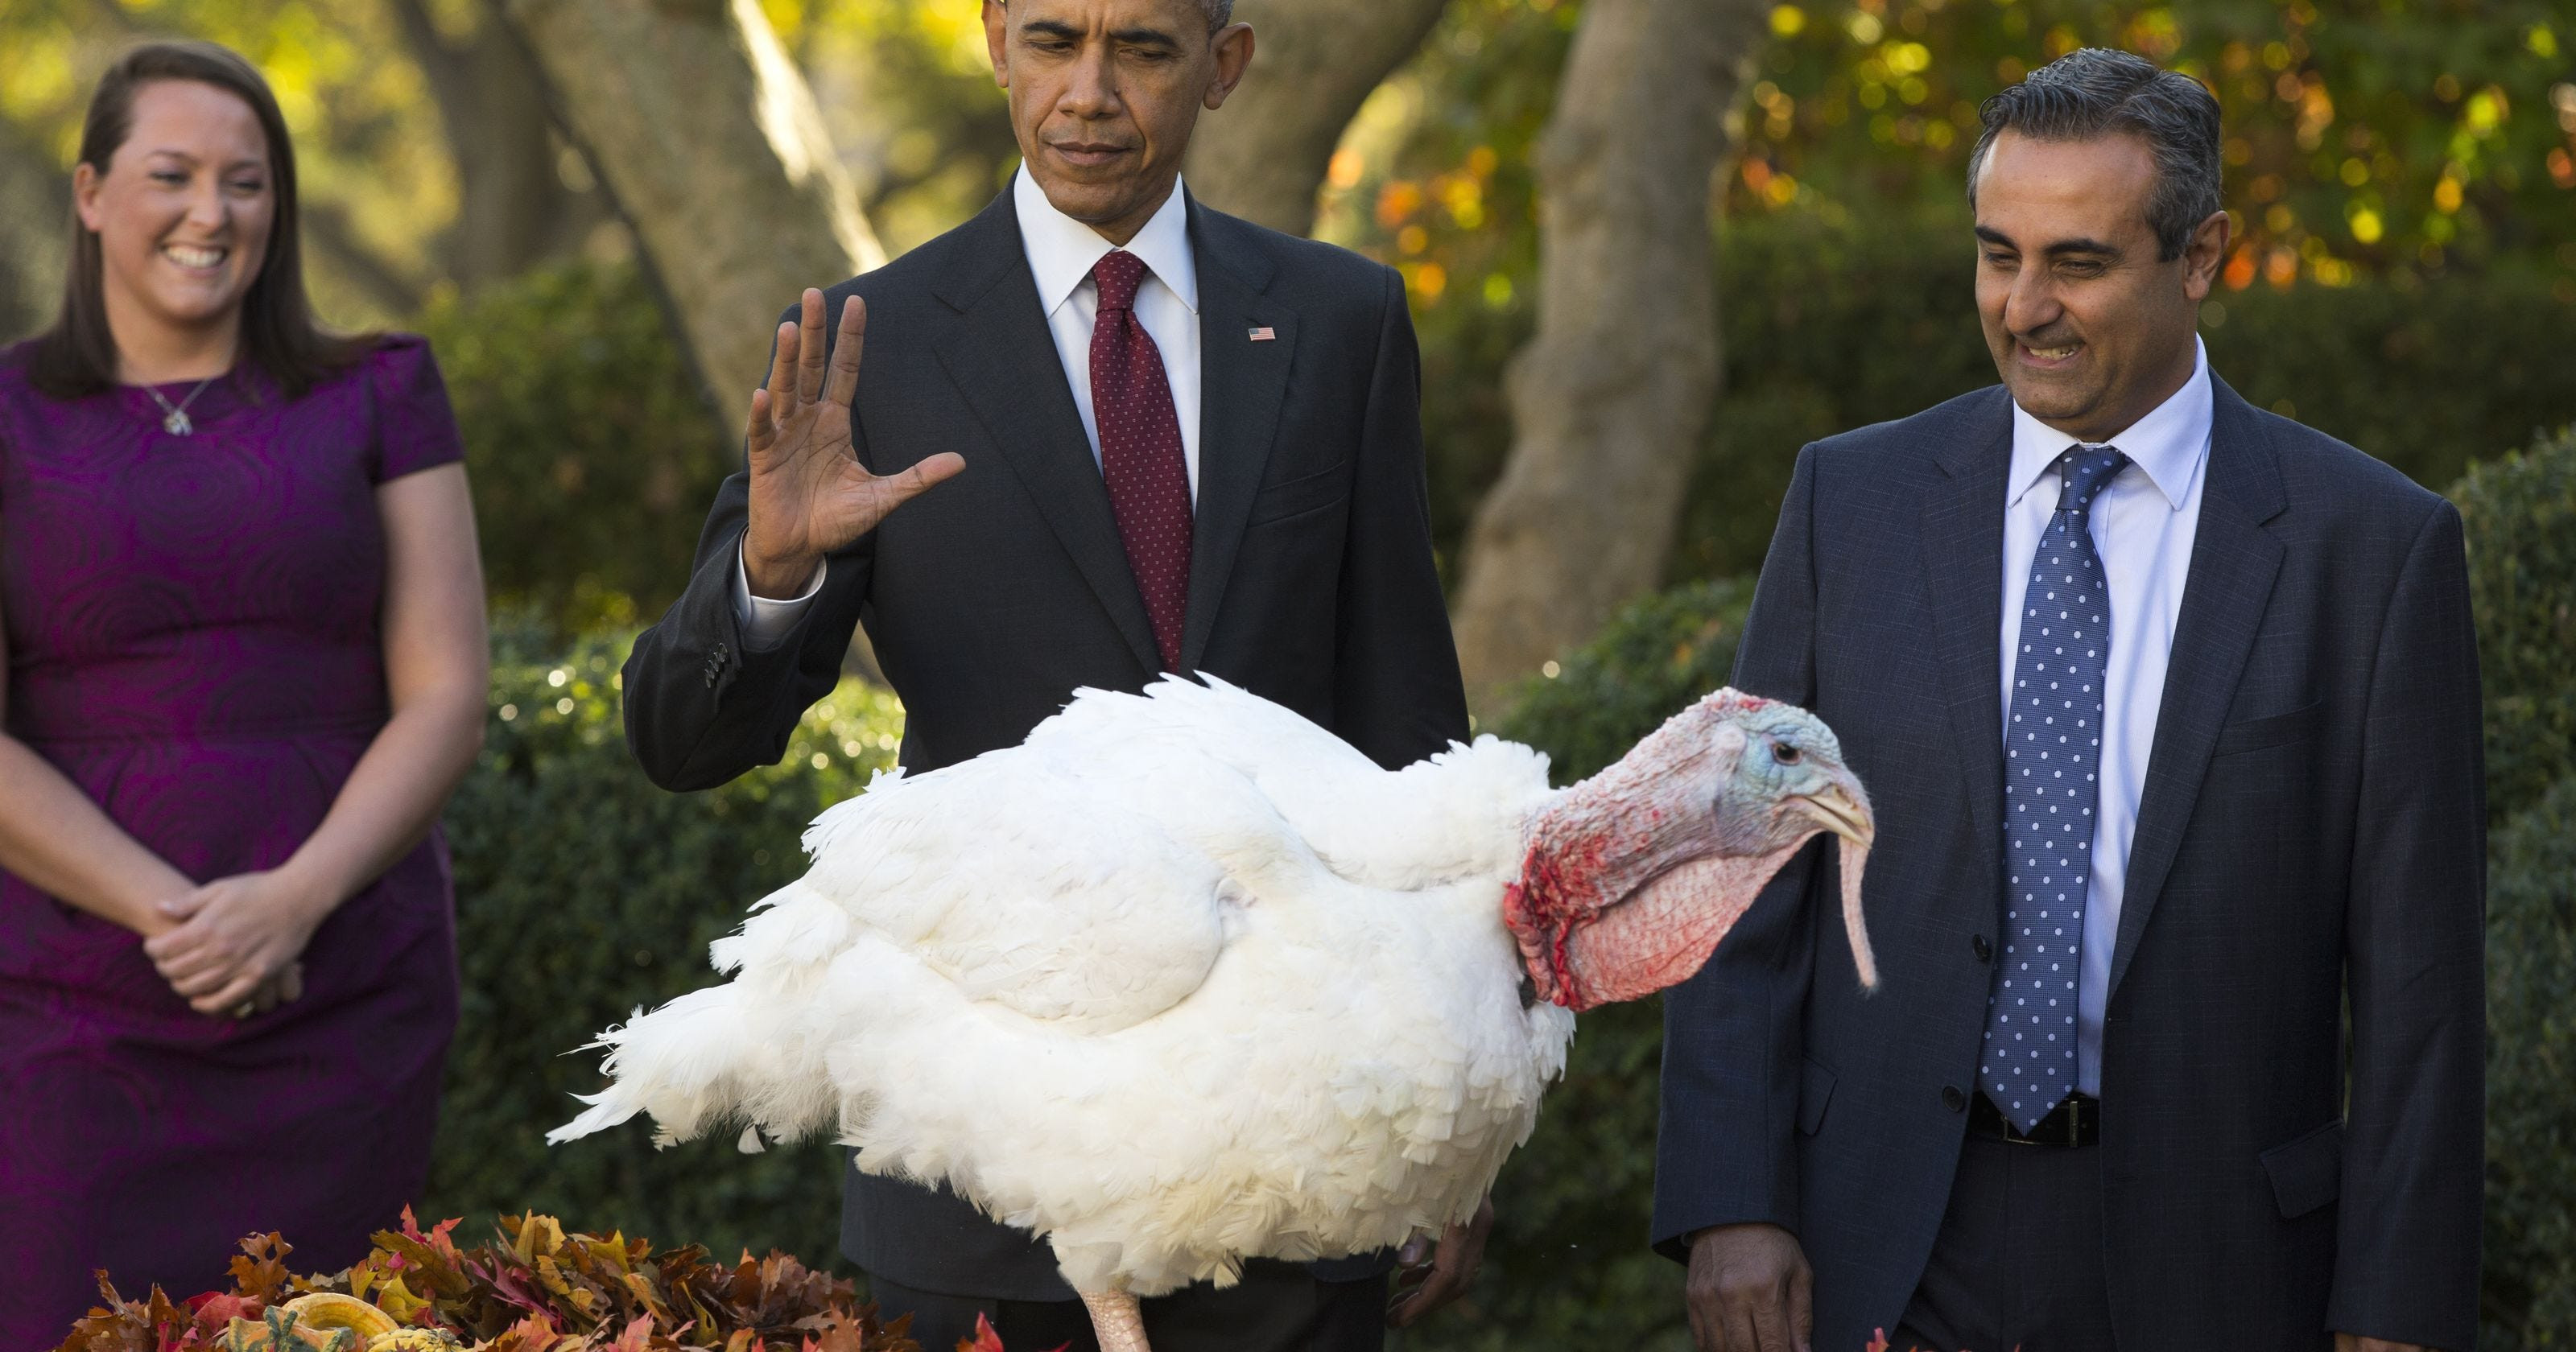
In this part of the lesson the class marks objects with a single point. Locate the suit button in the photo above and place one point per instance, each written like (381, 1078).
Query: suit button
(1952, 1099)
(1985, 951)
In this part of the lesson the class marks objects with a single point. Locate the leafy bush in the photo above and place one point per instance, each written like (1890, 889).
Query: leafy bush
(2530, 1296)
(592, 452)
(2520, 512)
(584, 892)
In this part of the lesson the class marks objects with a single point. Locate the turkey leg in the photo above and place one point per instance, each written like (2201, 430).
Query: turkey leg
(1116, 1320)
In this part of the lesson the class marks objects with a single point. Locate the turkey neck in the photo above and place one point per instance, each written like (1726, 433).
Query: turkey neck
(1604, 840)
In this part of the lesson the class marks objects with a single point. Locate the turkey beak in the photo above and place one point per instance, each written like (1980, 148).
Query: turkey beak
(1841, 807)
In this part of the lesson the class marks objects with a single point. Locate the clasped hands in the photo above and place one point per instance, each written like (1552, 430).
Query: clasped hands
(234, 946)
(809, 495)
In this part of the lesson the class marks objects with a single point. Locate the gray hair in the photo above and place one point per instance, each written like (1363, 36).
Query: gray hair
(2092, 92)
(1219, 13)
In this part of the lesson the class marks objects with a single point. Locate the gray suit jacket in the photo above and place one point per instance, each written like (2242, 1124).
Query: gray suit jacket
(2312, 830)
(994, 596)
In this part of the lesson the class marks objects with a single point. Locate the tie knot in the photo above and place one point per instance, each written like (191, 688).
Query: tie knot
(1118, 274)
(2082, 473)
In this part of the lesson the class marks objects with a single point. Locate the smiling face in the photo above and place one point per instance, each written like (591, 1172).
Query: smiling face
(182, 211)
(2090, 330)
(1104, 94)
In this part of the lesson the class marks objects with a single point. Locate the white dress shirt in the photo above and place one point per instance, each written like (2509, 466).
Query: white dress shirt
(1061, 252)
(2143, 524)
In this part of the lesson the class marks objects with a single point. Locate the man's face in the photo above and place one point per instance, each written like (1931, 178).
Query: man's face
(2089, 328)
(1104, 93)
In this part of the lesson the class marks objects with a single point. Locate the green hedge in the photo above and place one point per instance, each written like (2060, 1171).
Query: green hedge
(584, 892)
(2530, 1297)
(2520, 513)
(592, 453)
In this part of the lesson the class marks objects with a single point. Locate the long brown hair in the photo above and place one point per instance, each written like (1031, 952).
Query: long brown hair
(77, 356)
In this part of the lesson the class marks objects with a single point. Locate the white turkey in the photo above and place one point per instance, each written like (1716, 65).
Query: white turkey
(1184, 979)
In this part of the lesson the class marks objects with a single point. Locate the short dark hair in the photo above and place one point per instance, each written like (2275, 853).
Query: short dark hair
(77, 356)
(2093, 91)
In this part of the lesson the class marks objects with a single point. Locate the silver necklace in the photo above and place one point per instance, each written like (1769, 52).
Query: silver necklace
(174, 417)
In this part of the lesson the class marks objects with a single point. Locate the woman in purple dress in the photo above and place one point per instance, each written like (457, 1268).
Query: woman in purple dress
(245, 666)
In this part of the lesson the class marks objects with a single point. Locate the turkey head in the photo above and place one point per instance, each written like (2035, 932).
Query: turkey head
(1633, 875)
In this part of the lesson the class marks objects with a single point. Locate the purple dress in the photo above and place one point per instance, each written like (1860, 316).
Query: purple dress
(193, 641)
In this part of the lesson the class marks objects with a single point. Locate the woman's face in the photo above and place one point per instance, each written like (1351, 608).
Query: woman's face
(184, 207)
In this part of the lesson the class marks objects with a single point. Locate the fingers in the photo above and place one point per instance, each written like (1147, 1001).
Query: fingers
(809, 348)
(782, 371)
(762, 433)
(1802, 1305)
(903, 487)
(290, 983)
(230, 996)
(186, 904)
(1771, 1326)
(844, 384)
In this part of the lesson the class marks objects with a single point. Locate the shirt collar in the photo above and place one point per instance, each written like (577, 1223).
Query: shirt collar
(1062, 250)
(2169, 443)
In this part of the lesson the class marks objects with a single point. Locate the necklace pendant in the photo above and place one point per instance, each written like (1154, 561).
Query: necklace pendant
(177, 423)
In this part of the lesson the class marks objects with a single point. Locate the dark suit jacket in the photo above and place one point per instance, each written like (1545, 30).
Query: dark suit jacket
(991, 598)
(2312, 828)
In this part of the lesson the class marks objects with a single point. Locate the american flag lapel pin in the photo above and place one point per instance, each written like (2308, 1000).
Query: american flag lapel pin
(1264, 334)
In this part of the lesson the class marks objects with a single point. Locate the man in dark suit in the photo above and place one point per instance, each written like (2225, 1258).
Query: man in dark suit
(1162, 440)
(2168, 709)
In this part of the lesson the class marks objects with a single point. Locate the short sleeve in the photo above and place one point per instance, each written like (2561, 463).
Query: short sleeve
(415, 426)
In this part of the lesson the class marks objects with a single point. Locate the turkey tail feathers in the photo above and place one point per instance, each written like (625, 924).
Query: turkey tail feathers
(704, 1059)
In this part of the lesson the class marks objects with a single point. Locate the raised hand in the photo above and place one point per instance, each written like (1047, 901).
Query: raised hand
(809, 493)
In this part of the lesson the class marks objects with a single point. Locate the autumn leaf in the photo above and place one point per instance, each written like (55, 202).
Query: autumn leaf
(985, 1339)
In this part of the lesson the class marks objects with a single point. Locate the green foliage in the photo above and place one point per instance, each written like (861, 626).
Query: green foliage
(2520, 513)
(583, 893)
(1657, 656)
(2530, 1296)
(592, 454)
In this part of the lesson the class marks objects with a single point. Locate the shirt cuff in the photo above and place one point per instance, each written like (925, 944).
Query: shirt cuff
(766, 622)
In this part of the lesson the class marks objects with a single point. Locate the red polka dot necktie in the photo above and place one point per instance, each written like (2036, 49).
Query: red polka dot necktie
(2052, 751)
(1140, 451)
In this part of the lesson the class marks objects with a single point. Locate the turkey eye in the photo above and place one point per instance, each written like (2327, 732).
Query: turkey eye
(1786, 753)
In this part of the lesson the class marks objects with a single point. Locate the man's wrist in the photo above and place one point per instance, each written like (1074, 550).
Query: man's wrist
(778, 579)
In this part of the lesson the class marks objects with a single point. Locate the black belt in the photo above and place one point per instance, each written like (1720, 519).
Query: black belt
(2076, 1120)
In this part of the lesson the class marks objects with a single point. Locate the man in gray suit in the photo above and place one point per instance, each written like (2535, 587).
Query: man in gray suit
(1101, 433)
(2169, 711)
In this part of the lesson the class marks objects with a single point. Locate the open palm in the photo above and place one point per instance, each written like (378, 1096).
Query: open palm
(809, 493)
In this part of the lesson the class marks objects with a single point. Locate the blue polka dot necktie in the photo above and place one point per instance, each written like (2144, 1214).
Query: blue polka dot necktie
(2052, 752)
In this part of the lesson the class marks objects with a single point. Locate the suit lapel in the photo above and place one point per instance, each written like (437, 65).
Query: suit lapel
(1004, 361)
(1241, 385)
(1963, 547)
(2233, 564)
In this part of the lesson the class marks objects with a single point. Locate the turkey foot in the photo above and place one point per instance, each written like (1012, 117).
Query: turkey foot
(1116, 1320)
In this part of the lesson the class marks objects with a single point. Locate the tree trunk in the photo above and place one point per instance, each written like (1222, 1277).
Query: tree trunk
(515, 209)
(711, 147)
(1263, 155)
(1612, 395)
